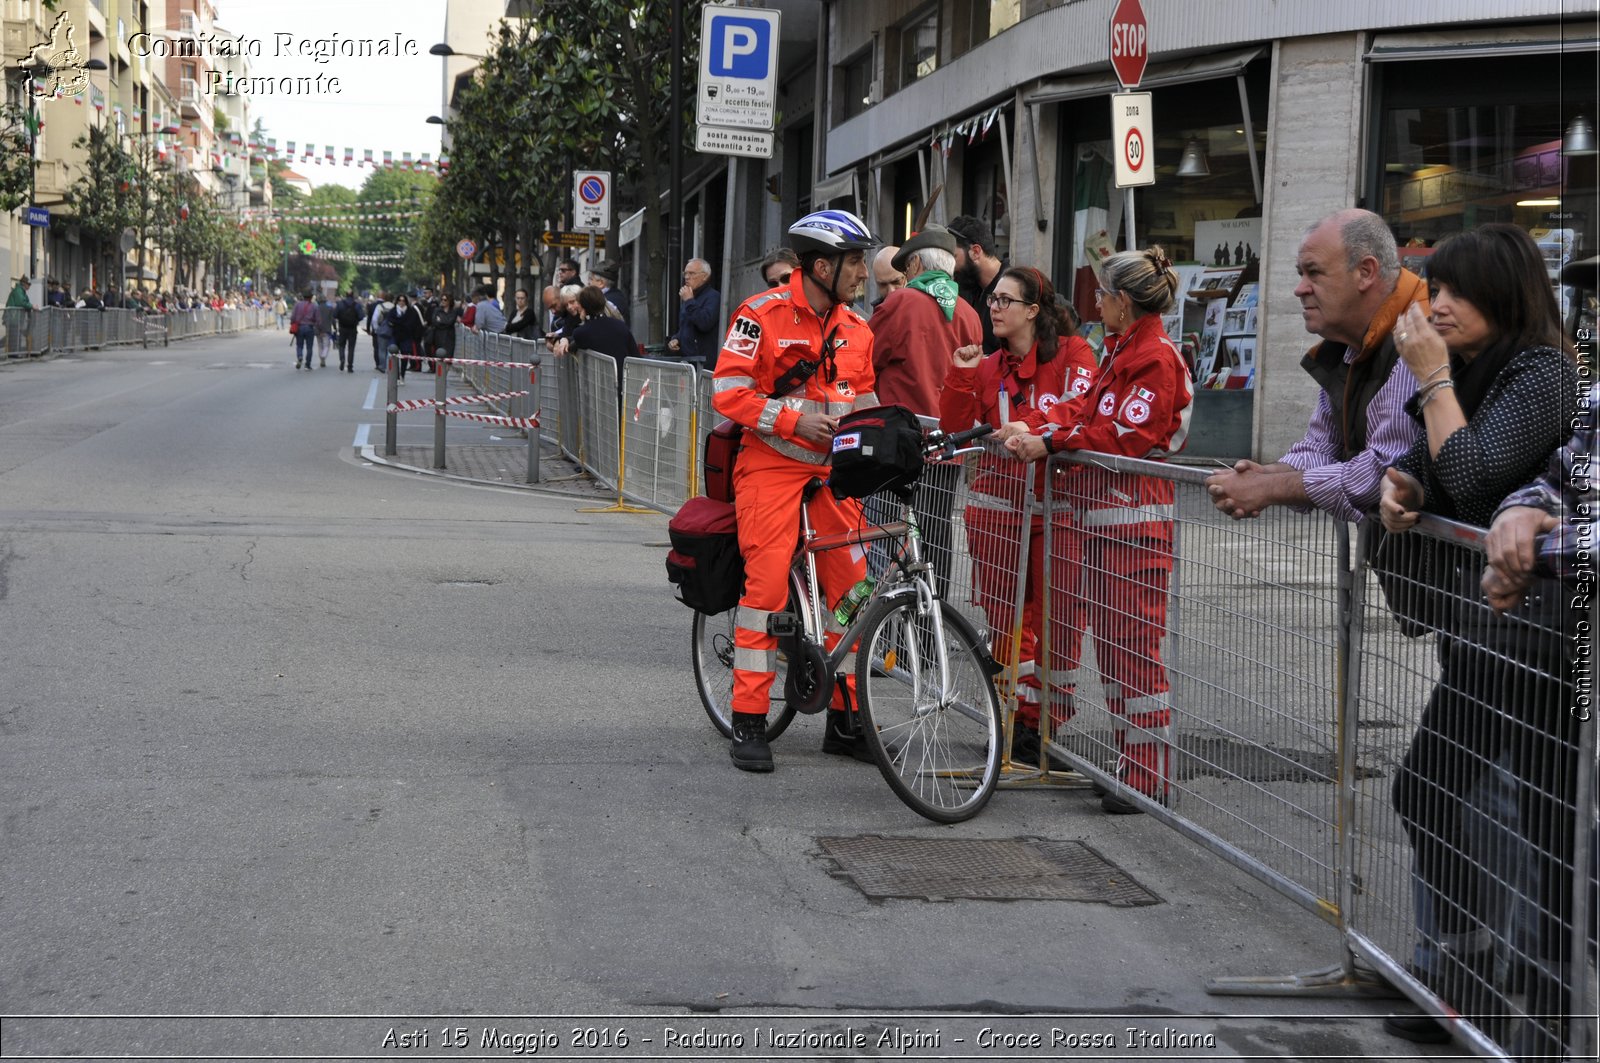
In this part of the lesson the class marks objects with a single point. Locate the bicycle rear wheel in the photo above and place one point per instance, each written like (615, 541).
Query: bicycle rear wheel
(938, 747)
(712, 648)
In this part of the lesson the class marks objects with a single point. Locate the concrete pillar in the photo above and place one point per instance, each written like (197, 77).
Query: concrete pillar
(1313, 162)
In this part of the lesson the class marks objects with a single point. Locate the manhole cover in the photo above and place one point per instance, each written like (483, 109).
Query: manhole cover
(1007, 869)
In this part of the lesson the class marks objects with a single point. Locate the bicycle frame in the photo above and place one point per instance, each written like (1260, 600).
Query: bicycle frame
(908, 570)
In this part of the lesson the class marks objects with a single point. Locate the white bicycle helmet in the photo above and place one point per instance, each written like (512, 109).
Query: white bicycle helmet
(831, 232)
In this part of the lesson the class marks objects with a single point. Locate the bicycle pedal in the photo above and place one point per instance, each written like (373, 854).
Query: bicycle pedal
(783, 625)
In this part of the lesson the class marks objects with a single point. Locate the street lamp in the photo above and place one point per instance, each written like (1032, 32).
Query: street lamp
(446, 51)
(434, 119)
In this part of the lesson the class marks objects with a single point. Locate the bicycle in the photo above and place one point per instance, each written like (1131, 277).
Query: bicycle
(928, 707)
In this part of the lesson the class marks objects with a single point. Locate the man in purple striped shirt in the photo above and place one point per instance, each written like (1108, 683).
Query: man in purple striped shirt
(1351, 291)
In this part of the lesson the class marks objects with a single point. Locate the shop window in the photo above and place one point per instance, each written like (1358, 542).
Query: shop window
(1465, 142)
(978, 20)
(1206, 214)
(853, 84)
(918, 41)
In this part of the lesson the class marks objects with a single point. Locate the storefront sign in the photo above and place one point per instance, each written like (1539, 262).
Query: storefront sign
(1130, 35)
(39, 216)
(1131, 123)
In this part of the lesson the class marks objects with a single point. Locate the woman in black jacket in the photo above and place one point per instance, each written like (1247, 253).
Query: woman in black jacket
(1497, 387)
(442, 328)
(524, 319)
(405, 331)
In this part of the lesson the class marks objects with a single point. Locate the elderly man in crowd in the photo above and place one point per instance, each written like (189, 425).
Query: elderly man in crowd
(604, 276)
(884, 274)
(914, 331)
(699, 335)
(1351, 291)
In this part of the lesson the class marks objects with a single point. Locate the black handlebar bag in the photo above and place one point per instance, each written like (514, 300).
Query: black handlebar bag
(876, 449)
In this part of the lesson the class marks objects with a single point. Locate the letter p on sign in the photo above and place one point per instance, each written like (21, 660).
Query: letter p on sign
(740, 47)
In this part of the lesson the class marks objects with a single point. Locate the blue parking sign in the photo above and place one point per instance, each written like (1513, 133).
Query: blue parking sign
(738, 67)
(741, 47)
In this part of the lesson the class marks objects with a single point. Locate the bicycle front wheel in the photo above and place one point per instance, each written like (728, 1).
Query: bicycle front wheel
(937, 742)
(712, 648)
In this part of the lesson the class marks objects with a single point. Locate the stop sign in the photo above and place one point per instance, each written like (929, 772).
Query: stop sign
(1129, 42)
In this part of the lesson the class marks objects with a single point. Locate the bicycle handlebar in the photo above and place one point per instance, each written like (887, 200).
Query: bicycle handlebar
(939, 444)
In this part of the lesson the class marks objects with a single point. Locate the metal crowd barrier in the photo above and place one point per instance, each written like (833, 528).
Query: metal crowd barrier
(1249, 686)
(1473, 828)
(31, 332)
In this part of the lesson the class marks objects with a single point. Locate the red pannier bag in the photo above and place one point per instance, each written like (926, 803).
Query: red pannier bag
(717, 458)
(704, 564)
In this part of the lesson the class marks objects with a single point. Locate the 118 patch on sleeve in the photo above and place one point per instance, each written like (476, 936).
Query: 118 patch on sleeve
(743, 338)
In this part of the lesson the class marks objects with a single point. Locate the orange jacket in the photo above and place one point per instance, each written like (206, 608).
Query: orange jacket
(773, 330)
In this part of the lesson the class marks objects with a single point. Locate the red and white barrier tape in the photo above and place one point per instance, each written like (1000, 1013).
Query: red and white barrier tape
(454, 400)
(505, 422)
(471, 361)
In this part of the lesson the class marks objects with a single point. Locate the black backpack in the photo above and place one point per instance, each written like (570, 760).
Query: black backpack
(876, 449)
(349, 313)
(705, 564)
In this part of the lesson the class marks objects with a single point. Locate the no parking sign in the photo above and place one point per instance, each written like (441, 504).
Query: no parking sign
(1131, 122)
(591, 200)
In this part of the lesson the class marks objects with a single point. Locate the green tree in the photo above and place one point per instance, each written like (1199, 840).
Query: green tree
(584, 85)
(103, 198)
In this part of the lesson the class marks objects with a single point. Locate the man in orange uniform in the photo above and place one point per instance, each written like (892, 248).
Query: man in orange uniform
(788, 441)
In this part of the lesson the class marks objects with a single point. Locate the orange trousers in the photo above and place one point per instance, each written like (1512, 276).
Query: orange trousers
(767, 489)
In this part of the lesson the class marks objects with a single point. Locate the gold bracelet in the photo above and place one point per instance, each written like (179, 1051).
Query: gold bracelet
(1427, 393)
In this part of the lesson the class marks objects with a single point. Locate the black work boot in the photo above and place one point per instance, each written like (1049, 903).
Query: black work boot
(749, 749)
(841, 736)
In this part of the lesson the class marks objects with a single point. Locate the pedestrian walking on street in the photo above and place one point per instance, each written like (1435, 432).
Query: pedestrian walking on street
(347, 317)
(326, 317)
(405, 334)
(442, 328)
(303, 325)
(280, 310)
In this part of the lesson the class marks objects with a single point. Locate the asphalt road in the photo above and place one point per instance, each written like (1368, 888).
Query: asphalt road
(285, 733)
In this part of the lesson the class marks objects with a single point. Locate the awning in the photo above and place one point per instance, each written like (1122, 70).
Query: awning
(1482, 42)
(1103, 83)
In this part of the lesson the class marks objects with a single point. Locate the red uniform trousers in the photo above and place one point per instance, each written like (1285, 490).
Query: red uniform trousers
(1121, 591)
(994, 537)
(767, 488)
(1124, 543)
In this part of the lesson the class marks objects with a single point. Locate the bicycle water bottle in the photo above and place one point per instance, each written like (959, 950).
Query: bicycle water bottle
(845, 611)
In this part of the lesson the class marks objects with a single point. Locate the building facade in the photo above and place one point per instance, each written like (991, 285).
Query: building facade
(1439, 115)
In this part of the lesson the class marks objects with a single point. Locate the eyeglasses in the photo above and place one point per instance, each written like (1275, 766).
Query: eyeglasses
(1102, 293)
(1004, 302)
(773, 282)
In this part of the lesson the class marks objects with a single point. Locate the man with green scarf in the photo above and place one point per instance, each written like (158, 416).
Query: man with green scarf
(914, 332)
(915, 328)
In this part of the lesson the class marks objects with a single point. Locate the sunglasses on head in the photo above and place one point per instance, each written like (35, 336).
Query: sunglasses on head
(773, 282)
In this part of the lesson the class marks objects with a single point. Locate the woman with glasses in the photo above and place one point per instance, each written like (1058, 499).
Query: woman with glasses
(776, 267)
(1041, 361)
(1137, 407)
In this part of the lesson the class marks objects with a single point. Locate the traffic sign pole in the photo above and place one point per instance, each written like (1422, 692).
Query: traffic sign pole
(1130, 53)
